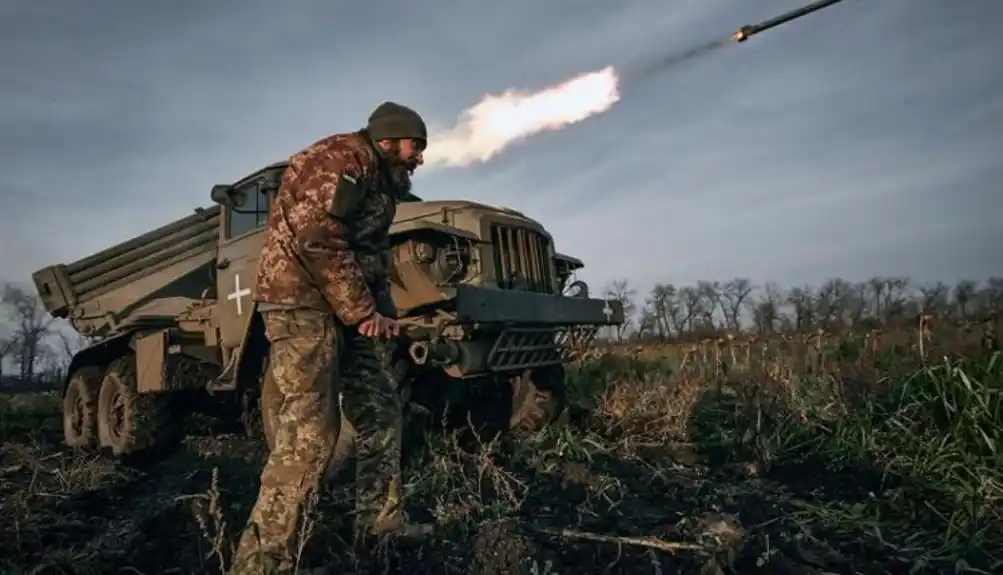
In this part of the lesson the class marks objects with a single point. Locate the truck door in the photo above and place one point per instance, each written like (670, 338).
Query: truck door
(241, 239)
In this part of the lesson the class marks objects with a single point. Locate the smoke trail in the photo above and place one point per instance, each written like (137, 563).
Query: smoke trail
(676, 58)
(497, 121)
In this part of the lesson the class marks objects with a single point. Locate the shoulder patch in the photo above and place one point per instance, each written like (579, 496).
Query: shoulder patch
(346, 197)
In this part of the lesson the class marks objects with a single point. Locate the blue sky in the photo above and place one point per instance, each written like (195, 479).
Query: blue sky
(865, 139)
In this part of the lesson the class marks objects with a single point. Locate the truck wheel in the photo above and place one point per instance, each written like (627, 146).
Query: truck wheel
(538, 398)
(80, 407)
(131, 424)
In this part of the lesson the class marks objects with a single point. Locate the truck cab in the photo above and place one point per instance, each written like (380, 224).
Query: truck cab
(245, 206)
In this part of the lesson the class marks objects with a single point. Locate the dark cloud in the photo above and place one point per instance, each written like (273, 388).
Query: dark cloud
(860, 140)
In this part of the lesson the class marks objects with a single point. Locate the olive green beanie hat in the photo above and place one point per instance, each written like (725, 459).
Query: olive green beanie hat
(391, 121)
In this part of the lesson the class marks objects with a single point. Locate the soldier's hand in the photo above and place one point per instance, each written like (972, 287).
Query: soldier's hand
(378, 326)
(390, 327)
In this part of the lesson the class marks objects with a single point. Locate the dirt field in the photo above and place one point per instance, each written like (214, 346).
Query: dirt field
(846, 456)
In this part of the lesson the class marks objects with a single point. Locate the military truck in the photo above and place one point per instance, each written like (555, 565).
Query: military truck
(479, 289)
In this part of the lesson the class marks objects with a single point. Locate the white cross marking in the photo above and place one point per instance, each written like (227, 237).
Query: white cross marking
(607, 311)
(238, 294)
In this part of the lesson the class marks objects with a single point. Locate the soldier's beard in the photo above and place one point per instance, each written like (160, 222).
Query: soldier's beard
(400, 178)
(400, 171)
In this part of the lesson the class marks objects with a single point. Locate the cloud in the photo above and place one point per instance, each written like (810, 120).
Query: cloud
(861, 140)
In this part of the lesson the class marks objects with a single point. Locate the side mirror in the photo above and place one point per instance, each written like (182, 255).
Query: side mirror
(566, 264)
(220, 194)
(577, 289)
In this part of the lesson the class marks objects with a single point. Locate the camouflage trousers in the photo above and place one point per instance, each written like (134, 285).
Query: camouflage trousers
(372, 405)
(303, 359)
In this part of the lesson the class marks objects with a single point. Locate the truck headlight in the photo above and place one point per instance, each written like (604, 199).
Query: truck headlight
(445, 258)
(451, 261)
(425, 253)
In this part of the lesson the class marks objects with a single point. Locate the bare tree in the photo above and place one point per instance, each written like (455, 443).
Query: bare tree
(877, 292)
(734, 294)
(831, 303)
(710, 296)
(896, 295)
(766, 308)
(31, 324)
(993, 294)
(61, 348)
(802, 300)
(935, 298)
(691, 304)
(648, 324)
(857, 304)
(664, 306)
(621, 291)
(964, 293)
(8, 344)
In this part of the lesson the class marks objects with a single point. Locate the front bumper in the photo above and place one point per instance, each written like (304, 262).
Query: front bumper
(523, 330)
(491, 305)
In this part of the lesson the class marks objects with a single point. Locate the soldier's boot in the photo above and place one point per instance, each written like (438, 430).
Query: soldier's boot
(399, 524)
(392, 520)
(380, 512)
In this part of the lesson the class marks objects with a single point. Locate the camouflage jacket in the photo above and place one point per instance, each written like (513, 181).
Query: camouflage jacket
(328, 232)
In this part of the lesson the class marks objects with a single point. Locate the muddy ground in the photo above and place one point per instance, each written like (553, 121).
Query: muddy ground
(644, 480)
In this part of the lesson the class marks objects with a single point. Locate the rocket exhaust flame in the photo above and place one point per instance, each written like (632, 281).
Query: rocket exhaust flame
(499, 120)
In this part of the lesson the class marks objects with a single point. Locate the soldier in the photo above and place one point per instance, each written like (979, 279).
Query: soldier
(371, 401)
(323, 294)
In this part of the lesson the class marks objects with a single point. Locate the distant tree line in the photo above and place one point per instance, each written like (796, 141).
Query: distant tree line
(712, 308)
(35, 348)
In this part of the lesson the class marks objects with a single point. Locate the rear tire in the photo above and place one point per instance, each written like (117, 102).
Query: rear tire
(80, 408)
(134, 426)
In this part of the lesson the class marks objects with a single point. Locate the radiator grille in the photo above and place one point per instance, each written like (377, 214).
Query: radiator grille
(522, 259)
